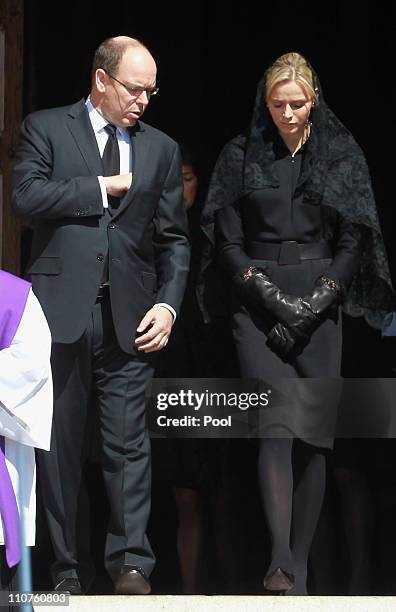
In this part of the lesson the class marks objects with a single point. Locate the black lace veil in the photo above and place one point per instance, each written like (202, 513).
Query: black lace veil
(334, 175)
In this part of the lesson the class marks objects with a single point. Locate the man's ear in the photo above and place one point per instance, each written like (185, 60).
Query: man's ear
(99, 80)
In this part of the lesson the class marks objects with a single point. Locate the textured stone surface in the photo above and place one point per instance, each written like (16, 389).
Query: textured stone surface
(198, 603)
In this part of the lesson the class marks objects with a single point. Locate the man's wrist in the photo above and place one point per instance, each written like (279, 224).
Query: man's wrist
(171, 310)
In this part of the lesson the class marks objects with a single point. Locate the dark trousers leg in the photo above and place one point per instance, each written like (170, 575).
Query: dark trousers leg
(6, 576)
(9, 581)
(119, 384)
(117, 381)
(60, 470)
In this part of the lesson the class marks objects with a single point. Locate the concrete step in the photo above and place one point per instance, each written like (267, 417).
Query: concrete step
(214, 603)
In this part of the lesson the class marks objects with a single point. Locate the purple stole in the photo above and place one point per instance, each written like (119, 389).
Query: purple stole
(13, 295)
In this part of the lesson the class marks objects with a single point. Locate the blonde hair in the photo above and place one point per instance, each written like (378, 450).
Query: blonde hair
(291, 67)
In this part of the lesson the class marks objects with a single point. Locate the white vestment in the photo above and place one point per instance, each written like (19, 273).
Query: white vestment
(26, 407)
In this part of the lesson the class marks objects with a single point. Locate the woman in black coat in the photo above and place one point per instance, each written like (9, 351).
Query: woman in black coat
(291, 213)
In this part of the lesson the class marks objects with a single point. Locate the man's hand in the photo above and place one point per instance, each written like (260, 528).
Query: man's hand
(118, 185)
(156, 325)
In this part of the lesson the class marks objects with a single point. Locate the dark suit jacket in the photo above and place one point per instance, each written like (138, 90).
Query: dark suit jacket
(55, 184)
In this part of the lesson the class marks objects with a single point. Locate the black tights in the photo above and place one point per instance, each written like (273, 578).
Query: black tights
(292, 478)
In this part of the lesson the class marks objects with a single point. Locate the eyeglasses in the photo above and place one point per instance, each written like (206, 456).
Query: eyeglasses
(134, 90)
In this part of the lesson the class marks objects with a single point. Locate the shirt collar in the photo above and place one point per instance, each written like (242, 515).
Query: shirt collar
(98, 121)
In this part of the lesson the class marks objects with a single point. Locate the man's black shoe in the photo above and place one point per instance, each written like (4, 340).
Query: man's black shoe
(132, 581)
(71, 586)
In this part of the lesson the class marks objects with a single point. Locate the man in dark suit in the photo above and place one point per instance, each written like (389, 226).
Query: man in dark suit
(109, 263)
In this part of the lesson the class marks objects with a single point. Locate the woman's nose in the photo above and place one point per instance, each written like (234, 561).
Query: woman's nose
(287, 113)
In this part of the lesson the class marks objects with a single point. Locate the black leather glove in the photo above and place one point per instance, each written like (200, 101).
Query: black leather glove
(280, 340)
(255, 285)
(325, 297)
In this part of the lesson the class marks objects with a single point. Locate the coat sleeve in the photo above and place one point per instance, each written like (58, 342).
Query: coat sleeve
(34, 192)
(171, 240)
(347, 253)
(229, 240)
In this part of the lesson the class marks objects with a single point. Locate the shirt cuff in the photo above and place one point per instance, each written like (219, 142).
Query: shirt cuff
(103, 192)
(171, 310)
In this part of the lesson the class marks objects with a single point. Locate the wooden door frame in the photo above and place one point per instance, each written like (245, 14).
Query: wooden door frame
(11, 100)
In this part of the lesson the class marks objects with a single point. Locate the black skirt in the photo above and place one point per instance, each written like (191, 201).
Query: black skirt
(310, 414)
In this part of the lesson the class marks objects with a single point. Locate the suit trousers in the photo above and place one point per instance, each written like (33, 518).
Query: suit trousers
(9, 582)
(95, 369)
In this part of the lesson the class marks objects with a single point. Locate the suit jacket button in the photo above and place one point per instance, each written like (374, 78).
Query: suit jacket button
(100, 257)
(112, 226)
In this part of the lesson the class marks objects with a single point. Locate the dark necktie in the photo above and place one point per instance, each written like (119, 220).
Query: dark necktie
(111, 160)
(111, 167)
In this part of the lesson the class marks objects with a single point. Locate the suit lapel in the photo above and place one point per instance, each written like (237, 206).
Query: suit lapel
(83, 134)
(140, 149)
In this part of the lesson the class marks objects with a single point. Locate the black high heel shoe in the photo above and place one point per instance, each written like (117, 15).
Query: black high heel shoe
(279, 581)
